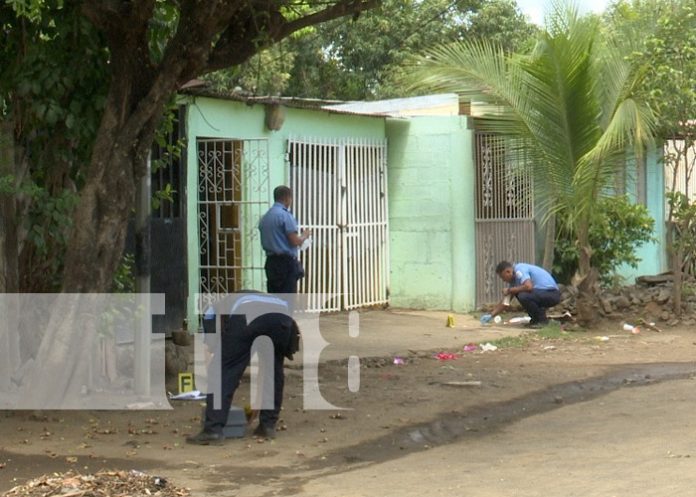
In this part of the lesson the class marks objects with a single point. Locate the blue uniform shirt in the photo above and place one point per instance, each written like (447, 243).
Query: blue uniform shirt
(275, 226)
(541, 279)
(252, 305)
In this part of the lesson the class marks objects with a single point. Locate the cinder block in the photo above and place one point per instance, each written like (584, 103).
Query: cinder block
(236, 423)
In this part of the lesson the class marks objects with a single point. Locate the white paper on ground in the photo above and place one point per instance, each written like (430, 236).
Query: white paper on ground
(192, 395)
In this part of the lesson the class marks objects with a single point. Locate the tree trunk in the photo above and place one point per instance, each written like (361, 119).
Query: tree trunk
(96, 244)
(678, 261)
(9, 246)
(9, 259)
(549, 242)
(106, 201)
(586, 280)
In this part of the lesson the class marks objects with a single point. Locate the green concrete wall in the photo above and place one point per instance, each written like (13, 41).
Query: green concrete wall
(216, 118)
(431, 213)
(653, 259)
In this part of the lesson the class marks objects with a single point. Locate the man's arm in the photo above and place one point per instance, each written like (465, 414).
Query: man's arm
(526, 286)
(290, 227)
(499, 307)
(297, 240)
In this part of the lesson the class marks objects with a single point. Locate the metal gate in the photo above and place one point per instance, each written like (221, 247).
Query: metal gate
(505, 226)
(340, 190)
(233, 193)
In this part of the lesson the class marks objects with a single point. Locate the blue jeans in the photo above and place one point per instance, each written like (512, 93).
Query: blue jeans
(537, 301)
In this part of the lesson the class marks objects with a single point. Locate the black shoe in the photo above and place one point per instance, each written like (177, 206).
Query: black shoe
(538, 325)
(262, 431)
(206, 438)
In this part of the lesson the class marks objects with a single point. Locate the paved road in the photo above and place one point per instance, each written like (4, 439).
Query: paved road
(633, 442)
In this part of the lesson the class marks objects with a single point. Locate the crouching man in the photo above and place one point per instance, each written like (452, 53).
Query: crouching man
(534, 287)
(252, 315)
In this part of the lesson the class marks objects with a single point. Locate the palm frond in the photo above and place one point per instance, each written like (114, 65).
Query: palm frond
(570, 104)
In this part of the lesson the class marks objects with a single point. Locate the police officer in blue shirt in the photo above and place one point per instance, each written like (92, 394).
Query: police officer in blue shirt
(267, 316)
(534, 287)
(280, 240)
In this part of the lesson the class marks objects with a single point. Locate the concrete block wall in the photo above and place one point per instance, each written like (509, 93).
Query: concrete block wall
(431, 213)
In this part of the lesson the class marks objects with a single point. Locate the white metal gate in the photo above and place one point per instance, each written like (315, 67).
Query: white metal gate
(340, 190)
(233, 192)
(505, 227)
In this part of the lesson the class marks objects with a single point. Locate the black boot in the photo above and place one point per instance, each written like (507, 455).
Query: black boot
(206, 438)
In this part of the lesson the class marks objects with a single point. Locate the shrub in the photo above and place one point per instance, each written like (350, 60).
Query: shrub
(618, 229)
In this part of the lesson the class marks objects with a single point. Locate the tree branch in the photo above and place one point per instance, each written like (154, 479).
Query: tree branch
(340, 9)
(112, 16)
(241, 41)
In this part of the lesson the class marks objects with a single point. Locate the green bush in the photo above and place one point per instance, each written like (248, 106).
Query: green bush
(619, 228)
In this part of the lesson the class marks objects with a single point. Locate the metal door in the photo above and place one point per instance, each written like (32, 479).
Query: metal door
(505, 227)
(340, 188)
(233, 193)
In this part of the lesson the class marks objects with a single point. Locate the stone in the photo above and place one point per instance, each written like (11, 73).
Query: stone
(606, 305)
(654, 280)
(663, 296)
(652, 311)
(621, 302)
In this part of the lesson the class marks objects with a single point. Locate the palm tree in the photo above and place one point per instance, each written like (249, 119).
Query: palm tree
(570, 106)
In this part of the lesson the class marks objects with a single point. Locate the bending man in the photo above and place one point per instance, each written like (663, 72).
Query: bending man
(266, 316)
(534, 287)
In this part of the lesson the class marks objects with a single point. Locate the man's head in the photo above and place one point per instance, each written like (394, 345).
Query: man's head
(283, 194)
(506, 272)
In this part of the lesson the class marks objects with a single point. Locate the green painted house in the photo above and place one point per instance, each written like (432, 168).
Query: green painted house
(408, 205)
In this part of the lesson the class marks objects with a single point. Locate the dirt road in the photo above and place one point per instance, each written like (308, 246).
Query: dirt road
(562, 416)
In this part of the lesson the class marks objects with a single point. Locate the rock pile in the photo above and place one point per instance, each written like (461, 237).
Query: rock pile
(651, 298)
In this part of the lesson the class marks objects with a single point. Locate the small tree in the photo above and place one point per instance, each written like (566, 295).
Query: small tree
(618, 229)
(572, 104)
(669, 50)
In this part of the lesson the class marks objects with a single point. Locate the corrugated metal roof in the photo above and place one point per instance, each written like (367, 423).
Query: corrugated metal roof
(292, 102)
(440, 104)
(394, 108)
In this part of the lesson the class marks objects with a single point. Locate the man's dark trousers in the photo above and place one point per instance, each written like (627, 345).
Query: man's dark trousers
(236, 342)
(282, 273)
(537, 301)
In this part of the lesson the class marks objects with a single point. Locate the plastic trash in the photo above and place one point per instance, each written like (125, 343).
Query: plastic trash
(633, 329)
(497, 320)
(520, 320)
(488, 347)
(470, 347)
(450, 321)
(445, 356)
(486, 318)
(602, 338)
(399, 361)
